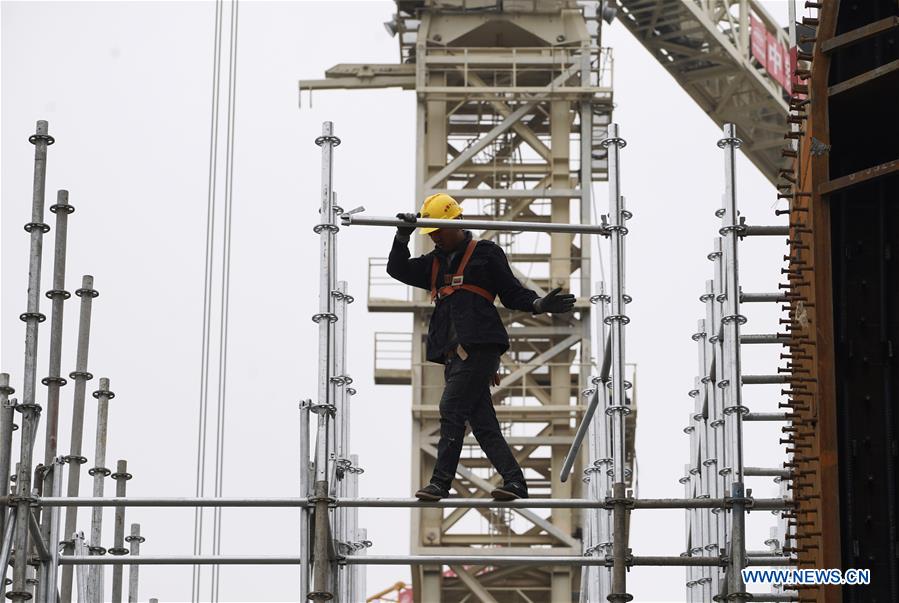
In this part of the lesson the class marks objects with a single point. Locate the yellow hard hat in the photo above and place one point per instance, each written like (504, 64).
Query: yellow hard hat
(439, 207)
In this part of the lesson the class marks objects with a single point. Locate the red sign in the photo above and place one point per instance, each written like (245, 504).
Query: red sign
(758, 46)
(775, 59)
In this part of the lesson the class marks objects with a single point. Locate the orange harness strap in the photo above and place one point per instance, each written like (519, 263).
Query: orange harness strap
(457, 281)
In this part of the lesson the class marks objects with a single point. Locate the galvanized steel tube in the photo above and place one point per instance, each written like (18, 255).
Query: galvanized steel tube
(121, 477)
(134, 541)
(731, 321)
(99, 473)
(6, 429)
(87, 293)
(497, 225)
(32, 318)
(321, 562)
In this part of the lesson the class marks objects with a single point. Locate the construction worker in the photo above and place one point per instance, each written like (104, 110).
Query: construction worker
(466, 335)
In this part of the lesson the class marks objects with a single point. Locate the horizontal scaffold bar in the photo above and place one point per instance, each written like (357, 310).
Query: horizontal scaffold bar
(511, 226)
(680, 560)
(764, 231)
(577, 560)
(768, 504)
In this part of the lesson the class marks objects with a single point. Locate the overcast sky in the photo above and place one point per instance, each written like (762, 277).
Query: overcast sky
(126, 88)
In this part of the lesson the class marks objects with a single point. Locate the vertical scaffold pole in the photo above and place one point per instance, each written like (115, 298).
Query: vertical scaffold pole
(618, 408)
(87, 293)
(322, 578)
(134, 541)
(49, 589)
(6, 429)
(305, 491)
(121, 477)
(731, 320)
(32, 317)
(54, 381)
(340, 445)
(99, 472)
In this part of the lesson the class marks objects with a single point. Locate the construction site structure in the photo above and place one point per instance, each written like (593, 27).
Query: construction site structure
(513, 105)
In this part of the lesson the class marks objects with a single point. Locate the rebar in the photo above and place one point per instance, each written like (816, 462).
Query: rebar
(32, 317)
(134, 541)
(87, 293)
(99, 472)
(121, 477)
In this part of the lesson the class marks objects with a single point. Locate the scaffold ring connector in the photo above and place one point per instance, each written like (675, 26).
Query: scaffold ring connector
(329, 408)
(622, 318)
(81, 375)
(135, 539)
(334, 228)
(693, 393)
(74, 458)
(87, 291)
(617, 228)
(321, 316)
(729, 410)
(96, 550)
(709, 462)
(125, 476)
(95, 470)
(62, 293)
(45, 228)
(730, 140)
(713, 256)
(620, 142)
(697, 336)
(737, 228)
(62, 206)
(5, 389)
(618, 408)
(588, 392)
(26, 316)
(333, 140)
(104, 392)
(59, 381)
(737, 318)
(34, 406)
(34, 139)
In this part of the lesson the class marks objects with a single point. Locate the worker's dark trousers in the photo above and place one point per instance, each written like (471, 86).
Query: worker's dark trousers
(467, 398)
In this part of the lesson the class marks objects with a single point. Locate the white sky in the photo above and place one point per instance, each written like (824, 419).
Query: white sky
(126, 89)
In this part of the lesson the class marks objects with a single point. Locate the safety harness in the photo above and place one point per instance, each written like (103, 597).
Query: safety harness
(452, 283)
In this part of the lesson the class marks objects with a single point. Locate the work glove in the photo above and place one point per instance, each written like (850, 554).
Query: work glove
(403, 232)
(553, 302)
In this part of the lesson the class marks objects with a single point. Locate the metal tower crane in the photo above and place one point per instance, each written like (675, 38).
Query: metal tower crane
(718, 51)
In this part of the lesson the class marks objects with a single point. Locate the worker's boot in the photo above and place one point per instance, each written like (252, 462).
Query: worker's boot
(510, 491)
(432, 492)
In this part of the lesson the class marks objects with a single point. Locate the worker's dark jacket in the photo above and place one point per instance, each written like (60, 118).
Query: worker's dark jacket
(473, 318)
